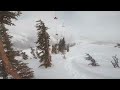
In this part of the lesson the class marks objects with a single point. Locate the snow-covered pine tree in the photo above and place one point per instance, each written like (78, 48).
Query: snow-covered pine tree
(3, 73)
(21, 67)
(16, 68)
(6, 18)
(55, 49)
(43, 44)
(62, 45)
(4, 38)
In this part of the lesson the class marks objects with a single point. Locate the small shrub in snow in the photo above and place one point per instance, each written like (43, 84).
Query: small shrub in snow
(118, 45)
(93, 62)
(55, 49)
(115, 63)
(24, 55)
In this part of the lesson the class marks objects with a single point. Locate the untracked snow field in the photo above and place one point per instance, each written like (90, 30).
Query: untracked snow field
(76, 67)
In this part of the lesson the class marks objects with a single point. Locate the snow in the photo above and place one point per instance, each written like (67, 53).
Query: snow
(89, 32)
(75, 66)
(56, 71)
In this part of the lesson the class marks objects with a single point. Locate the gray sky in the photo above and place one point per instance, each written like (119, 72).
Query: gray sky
(96, 25)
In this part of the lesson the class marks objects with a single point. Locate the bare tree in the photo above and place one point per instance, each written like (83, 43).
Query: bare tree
(93, 62)
(115, 63)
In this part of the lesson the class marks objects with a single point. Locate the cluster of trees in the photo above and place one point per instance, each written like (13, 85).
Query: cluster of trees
(61, 47)
(9, 66)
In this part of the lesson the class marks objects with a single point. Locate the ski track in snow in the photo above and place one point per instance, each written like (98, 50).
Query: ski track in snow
(71, 70)
(79, 71)
(84, 71)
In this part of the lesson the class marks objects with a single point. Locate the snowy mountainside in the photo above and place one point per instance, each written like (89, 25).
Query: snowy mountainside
(75, 66)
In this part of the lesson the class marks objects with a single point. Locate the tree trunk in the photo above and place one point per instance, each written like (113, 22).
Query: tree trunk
(7, 64)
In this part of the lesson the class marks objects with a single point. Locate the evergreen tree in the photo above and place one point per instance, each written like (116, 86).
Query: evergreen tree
(21, 67)
(55, 49)
(6, 18)
(5, 39)
(43, 44)
(93, 61)
(3, 73)
(62, 45)
(24, 55)
(7, 53)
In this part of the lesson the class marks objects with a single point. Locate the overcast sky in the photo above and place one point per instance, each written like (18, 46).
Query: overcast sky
(96, 25)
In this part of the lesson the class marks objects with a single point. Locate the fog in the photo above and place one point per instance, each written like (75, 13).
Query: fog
(94, 25)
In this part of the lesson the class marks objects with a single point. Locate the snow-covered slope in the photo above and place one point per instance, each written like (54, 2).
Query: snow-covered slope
(76, 67)
(101, 53)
